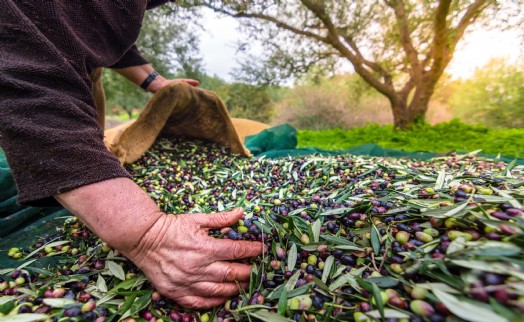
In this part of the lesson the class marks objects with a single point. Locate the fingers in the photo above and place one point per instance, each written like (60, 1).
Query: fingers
(228, 272)
(210, 289)
(227, 249)
(192, 82)
(199, 302)
(220, 219)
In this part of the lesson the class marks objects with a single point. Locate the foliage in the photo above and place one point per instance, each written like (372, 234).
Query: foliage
(444, 137)
(494, 96)
(248, 101)
(169, 41)
(401, 48)
(122, 95)
(242, 100)
(342, 101)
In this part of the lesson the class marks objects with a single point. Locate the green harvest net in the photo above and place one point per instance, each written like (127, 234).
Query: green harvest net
(20, 225)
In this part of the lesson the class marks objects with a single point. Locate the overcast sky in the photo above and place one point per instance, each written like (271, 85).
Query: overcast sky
(218, 48)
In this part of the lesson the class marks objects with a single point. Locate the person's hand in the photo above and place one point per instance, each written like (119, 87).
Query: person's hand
(160, 82)
(187, 265)
(137, 75)
(175, 252)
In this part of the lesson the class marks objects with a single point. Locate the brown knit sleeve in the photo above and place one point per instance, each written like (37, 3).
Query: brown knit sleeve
(48, 126)
(131, 58)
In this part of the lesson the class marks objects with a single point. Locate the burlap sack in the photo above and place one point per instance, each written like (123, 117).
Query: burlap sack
(180, 110)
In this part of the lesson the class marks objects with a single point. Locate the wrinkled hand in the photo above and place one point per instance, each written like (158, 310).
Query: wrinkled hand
(160, 82)
(187, 265)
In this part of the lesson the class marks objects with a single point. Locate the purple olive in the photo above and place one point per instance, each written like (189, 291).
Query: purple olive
(72, 311)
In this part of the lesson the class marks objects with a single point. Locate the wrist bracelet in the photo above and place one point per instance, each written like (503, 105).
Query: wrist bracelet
(150, 78)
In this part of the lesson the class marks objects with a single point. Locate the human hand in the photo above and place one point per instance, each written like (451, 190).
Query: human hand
(137, 75)
(160, 82)
(187, 265)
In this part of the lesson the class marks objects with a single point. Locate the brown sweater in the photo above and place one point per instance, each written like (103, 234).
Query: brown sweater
(48, 126)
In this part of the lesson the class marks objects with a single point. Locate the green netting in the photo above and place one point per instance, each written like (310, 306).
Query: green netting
(21, 225)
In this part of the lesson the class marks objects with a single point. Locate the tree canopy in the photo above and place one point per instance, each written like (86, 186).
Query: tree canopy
(400, 47)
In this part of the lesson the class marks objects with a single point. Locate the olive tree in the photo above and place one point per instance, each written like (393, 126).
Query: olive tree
(399, 47)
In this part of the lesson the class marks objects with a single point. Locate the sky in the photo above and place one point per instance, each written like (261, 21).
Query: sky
(218, 48)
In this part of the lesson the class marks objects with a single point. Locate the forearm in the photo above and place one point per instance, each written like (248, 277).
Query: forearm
(137, 74)
(116, 210)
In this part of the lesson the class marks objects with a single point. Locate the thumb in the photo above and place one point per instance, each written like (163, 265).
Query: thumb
(221, 219)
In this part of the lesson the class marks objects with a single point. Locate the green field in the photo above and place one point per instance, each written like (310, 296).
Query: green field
(444, 137)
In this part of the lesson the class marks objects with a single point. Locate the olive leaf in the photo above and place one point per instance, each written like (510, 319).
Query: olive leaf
(466, 310)
(53, 244)
(388, 314)
(127, 284)
(26, 264)
(253, 278)
(342, 280)
(438, 286)
(375, 240)
(384, 281)
(59, 302)
(316, 230)
(514, 202)
(7, 303)
(321, 284)
(502, 310)
(509, 167)
(267, 316)
(349, 247)
(282, 303)
(494, 267)
(378, 299)
(292, 257)
(27, 317)
(116, 270)
(336, 211)
(335, 240)
(448, 211)
(290, 285)
(101, 284)
(441, 179)
(327, 268)
(140, 303)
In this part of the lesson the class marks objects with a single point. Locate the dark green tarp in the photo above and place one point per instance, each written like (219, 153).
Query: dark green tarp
(20, 225)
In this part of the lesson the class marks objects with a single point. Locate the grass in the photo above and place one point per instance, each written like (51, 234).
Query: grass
(443, 137)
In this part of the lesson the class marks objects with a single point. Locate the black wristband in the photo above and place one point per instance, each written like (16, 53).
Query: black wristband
(150, 78)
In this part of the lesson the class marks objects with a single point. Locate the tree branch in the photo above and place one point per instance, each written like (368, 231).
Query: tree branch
(373, 65)
(440, 45)
(274, 20)
(472, 13)
(317, 7)
(405, 36)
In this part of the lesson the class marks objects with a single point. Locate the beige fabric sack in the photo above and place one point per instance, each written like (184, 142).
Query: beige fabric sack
(180, 110)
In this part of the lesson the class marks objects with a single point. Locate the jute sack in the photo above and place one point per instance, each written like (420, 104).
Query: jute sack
(181, 110)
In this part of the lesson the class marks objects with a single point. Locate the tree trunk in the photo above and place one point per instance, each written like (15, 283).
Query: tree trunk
(129, 112)
(404, 116)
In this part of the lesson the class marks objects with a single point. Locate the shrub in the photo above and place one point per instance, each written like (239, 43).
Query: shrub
(494, 96)
(443, 137)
